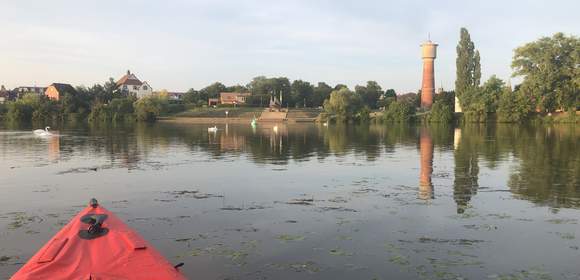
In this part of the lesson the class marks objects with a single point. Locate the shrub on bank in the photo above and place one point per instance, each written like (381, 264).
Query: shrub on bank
(441, 112)
(399, 112)
(32, 107)
(343, 105)
(513, 107)
(119, 109)
(364, 114)
(3, 111)
(149, 108)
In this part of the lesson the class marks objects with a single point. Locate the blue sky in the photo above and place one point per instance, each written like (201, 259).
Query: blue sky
(180, 44)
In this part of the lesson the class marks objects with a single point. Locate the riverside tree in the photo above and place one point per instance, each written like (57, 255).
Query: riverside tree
(513, 106)
(468, 67)
(550, 70)
(400, 111)
(343, 104)
(212, 91)
(370, 93)
(320, 93)
(263, 88)
(301, 93)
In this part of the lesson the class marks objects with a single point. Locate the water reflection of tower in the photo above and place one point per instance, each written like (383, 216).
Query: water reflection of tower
(54, 148)
(426, 150)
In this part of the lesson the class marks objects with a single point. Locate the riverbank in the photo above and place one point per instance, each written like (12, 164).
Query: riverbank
(237, 115)
(203, 120)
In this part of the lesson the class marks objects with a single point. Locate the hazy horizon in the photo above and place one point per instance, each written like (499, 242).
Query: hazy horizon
(191, 44)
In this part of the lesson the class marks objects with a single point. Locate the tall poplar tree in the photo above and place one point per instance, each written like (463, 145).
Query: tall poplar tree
(468, 65)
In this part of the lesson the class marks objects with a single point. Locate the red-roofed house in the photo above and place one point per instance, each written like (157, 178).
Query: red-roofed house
(130, 84)
(57, 90)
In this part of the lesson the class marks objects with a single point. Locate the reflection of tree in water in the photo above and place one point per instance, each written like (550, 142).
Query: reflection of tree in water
(466, 166)
(394, 134)
(546, 172)
(549, 167)
(120, 144)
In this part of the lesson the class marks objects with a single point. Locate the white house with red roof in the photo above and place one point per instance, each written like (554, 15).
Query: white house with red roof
(130, 84)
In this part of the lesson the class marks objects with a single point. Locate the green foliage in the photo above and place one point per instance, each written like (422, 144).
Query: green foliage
(257, 100)
(267, 87)
(549, 67)
(364, 114)
(410, 98)
(121, 109)
(212, 91)
(320, 93)
(370, 93)
(447, 97)
(513, 106)
(3, 110)
(236, 88)
(441, 112)
(491, 91)
(100, 113)
(32, 107)
(399, 111)
(387, 98)
(75, 105)
(468, 67)
(149, 108)
(390, 93)
(175, 107)
(192, 96)
(118, 109)
(342, 104)
(301, 94)
(477, 102)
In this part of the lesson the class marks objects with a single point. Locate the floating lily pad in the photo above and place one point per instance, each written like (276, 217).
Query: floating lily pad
(288, 237)
(340, 252)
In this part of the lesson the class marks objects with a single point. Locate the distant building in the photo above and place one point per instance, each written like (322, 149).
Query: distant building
(57, 90)
(175, 95)
(20, 91)
(6, 95)
(457, 105)
(233, 98)
(213, 101)
(131, 85)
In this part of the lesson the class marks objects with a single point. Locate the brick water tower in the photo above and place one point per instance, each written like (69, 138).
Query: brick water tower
(428, 53)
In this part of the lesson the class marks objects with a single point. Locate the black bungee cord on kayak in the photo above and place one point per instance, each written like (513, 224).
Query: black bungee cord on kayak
(95, 222)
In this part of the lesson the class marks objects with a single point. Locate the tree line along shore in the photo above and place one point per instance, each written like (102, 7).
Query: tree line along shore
(549, 92)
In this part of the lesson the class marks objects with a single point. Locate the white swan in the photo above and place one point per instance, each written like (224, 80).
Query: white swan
(275, 128)
(212, 129)
(43, 132)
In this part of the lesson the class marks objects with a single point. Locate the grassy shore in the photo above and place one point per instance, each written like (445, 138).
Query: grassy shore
(219, 113)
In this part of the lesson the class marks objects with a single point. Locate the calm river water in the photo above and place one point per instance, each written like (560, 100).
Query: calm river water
(308, 201)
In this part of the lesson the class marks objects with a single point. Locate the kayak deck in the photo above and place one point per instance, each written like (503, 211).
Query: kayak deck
(96, 244)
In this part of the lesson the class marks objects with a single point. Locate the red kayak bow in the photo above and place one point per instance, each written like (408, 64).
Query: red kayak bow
(96, 244)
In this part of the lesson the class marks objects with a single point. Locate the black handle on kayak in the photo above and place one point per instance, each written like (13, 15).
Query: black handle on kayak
(96, 226)
(177, 266)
